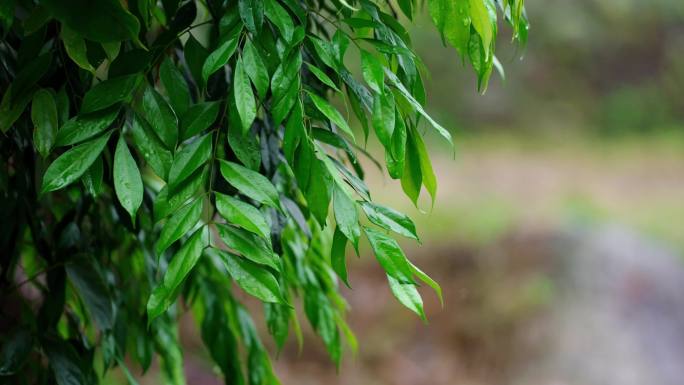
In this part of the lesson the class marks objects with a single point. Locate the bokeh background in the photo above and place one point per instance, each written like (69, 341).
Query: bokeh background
(558, 231)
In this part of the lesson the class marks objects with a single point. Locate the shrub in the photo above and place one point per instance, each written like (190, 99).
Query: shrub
(153, 150)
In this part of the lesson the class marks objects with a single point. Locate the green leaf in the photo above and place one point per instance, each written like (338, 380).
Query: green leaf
(428, 281)
(250, 183)
(93, 290)
(244, 145)
(127, 180)
(319, 191)
(110, 92)
(195, 55)
(161, 117)
(103, 21)
(198, 118)
(390, 219)
(338, 258)
(75, 47)
(175, 85)
(15, 351)
(151, 147)
(111, 50)
(65, 362)
(45, 121)
(408, 295)
(372, 71)
(182, 263)
(244, 97)
(252, 14)
(167, 202)
(69, 166)
(182, 221)
(243, 214)
(93, 179)
(482, 23)
(280, 18)
(397, 83)
(412, 178)
(82, 127)
(452, 19)
(428, 175)
(390, 255)
(249, 245)
(331, 113)
(255, 68)
(191, 157)
(346, 216)
(219, 57)
(325, 79)
(252, 278)
(384, 118)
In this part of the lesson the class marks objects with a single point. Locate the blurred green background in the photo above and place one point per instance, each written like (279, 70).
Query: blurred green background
(558, 231)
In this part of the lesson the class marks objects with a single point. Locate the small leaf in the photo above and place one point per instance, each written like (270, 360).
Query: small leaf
(93, 179)
(429, 179)
(428, 281)
(217, 59)
(161, 117)
(191, 157)
(252, 278)
(320, 190)
(390, 219)
(182, 263)
(151, 147)
(15, 350)
(346, 216)
(69, 166)
(82, 127)
(182, 221)
(198, 118)
(110, 92)
(248, 245)
(408, 295)
(175, 85)
(250, 183)
(244, 97)
(244, 145)
(45, 121)
(255, 68)
(331, 113)
(243, 214)
(372, 71)
(338, 258)
(390, 255)
(127, 180)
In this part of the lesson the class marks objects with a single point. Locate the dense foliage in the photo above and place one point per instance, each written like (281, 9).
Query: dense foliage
(153, 150)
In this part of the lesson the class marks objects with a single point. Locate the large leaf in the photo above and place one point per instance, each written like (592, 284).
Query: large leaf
(45, 123)
(280, 18)
(83, 127)
(338, 258)
(243, 214)
(453, 21)
(408, 295)
(390, 255)
(198, 118)
(76, 48)
(109, 92)
(255, 68)
(151, 147)
(250, 183)
(167, 202)
(252, 14)
(182, 221)
(346, 216)
(249, 245)
(331, 113)
(127, 180)
(390, 219)
(93, 290)
(175, 85)
(72, 164)
(320, 189)
(182, 263)
(102, 21)
(191, 157)
(244, 97)
(219, 57)
(161, 117)
(372, 71)
(252, 278)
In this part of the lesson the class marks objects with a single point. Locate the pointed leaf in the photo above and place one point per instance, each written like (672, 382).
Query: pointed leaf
(243, 214)
(390, 255)
(182, 221)
(161, 117)
(331, 113)
(244, 97)
(252, 278)
(45, 123)
(82, 127)
(372, 71)
(255, 68)
(428, 281)
(219, 57)
(325, 79)
(338, 258)
(69, 166)
(191, 157)
(93, 290)
(252, 14)
(249, 245)
(75, 47)
(165, 203)
(110, 92)
(390, 219)
(151, 147)
(127, 180)
(198, 118)
(408, 295)
(175, 85)
(250, 183)
(346, 216)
